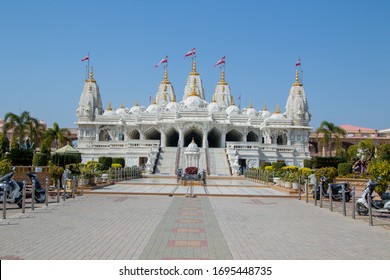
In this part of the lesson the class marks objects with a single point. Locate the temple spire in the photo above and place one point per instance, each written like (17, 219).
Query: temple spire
(277, 109)
(109, 106)
(251, 105)
(166, 81)
(136, 102)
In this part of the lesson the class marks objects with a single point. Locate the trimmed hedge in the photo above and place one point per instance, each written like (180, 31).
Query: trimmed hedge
(344, 168)
(105, 163)
(20, 157)
(319, 162)
(62, 160)
(278, 165)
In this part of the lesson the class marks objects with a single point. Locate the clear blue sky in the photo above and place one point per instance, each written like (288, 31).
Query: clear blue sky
(344, 47)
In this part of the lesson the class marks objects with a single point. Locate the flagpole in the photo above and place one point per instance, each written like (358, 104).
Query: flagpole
(89, 58)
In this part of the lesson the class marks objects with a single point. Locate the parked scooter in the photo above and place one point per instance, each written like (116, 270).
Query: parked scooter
(362, 203)
(39, 193)
(12, 188)
(336, 190)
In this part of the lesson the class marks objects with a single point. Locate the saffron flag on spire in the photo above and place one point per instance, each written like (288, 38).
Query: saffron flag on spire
(85, 58)
(221, 61)
(164, 60)
(298, 63)
(191, 52)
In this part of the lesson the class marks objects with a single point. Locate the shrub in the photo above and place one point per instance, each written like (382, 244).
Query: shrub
(116, 165)
(344, 168)
(268, 169)
(308, 163)
(5, 167)
(276, 166)
(105, 163)
(39, 159)
(380, 168)
(55, 172)
(329, 172)
(305, 172)
(120, 161)
(64, 159)
(264, 164)
(319, 162)
(22, 157)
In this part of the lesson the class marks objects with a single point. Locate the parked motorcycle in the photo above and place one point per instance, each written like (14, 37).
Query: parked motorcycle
(336, 190)
(39, 193)
(12, 188)
(362, 203)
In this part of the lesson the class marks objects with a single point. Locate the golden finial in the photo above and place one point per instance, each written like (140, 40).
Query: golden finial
(233, 103)
(154, 101)
(194, 72)
(265, 107)
(193, 93)
(109, 106)
(122, 105)
(222, 81)
(277, 109)
(297, 83)
(136, 102)
(91, 78)
(214, 100)
(250, 105)
(166, 81)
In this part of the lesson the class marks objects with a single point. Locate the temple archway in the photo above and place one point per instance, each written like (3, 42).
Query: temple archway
(194, 133)
(252, 137)
(214, 138)
(134, 134)
(234, 135)
(172, 137)
(152, 134)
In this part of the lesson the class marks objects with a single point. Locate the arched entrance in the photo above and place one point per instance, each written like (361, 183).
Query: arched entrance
(214, 138)
(195, 133)
(134, 134)
(152, 134)
(172, 137)
(234, 135)
(252, 137)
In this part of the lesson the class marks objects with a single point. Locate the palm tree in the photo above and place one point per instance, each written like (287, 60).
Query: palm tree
(330, 131)
(22, 126)
(56, 134)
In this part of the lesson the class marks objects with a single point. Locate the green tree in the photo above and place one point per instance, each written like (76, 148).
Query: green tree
(352, 153)
(330, 131)
(367, 148)
(4, 144)
(379, 171)
(383, 152)
(22, 126)
(57, 135)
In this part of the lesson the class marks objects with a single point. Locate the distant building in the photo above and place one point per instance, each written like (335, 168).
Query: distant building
(354, 135)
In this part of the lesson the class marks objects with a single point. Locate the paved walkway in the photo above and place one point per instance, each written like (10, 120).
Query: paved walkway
(164, 186)
(125, 227)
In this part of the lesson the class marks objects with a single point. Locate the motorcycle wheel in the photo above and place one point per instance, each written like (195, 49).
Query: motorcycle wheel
(347, 197)
(40, 198)
(361, 209)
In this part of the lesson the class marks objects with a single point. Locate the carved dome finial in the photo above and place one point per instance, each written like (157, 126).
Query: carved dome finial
(109, 106)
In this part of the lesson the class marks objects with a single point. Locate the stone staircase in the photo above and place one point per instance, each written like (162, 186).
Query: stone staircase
(218, 163)
(166, 162)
